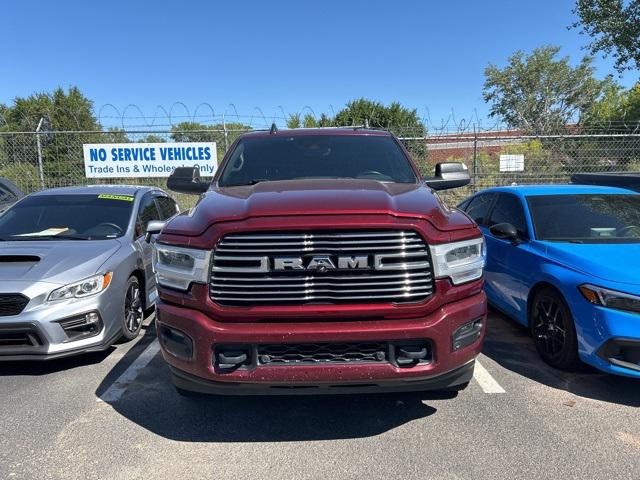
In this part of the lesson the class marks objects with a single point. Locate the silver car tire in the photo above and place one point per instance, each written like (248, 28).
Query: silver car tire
(132, 309)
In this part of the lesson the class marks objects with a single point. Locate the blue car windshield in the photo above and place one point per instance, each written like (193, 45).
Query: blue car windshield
(67, 217)
(588, 218)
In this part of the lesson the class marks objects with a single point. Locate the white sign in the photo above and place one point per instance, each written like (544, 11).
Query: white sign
(512, 163)
(140, 160)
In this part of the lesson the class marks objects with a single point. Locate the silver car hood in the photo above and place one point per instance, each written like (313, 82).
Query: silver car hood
(59, 261)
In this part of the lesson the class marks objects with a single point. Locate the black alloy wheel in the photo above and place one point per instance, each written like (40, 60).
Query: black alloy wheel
(133, 312)
(553, 330)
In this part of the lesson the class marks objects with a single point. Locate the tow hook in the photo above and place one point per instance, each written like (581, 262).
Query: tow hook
(231, 359)
(411, 354)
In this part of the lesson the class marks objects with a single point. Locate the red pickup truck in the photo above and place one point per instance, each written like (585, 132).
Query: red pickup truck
(319, 261)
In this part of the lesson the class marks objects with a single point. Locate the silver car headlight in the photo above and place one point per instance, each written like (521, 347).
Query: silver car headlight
(460, 261)
(611, 298)
(83, 288)
(179, 267)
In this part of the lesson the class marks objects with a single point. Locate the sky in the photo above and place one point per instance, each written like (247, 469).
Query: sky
(248, 57)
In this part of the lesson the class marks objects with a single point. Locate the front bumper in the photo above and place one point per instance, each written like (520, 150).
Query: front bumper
(198, 373)
(39, 322)
(609, 339)
(452, 380)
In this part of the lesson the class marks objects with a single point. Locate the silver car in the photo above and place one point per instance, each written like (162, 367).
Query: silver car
(75, 269)
(9, 193)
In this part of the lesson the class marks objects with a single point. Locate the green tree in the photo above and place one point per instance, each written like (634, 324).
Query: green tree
(614, 29)
(63, 111)
(309, 121)
(293, 120)
(197, 132)
(397, 119)
(114, 135)
(325, 121)
(617, 111)
(152, 138)
(541, 93)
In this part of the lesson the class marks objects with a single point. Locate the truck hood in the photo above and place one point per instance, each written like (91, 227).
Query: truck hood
(619, 262)
(53, 261)
(318, 197)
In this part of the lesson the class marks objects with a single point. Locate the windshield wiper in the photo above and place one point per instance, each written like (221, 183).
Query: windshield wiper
(250, 182)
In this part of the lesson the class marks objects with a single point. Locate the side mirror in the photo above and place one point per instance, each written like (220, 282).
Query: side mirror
(187, 180)
(505, 231)
(449, 175)
(154, 227)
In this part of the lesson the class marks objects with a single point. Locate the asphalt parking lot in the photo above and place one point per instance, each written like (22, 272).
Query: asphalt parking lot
(115, 415)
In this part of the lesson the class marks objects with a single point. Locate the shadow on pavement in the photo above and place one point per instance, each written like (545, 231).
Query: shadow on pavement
(267, 419)
(151, 402)
(510, 344)
(45, 367)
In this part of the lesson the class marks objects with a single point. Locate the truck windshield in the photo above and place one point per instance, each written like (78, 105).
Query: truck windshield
(316, 156)
(598, 218)
(67, 217)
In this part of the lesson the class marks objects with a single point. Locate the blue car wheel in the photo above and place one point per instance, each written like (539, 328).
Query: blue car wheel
(553, 330)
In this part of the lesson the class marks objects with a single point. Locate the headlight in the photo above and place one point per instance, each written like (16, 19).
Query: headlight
(459, 261)
(610, 298)
(84, 288)
(178, 267)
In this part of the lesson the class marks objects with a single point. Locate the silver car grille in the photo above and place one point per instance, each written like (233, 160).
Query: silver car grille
(385, 266)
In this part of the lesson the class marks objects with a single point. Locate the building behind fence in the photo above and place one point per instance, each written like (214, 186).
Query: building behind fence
(37, 160)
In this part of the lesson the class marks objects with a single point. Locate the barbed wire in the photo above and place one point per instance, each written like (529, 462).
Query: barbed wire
(132, 117)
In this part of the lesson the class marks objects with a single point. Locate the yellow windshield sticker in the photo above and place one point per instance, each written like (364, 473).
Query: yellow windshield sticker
(107, 196)
(44, 233)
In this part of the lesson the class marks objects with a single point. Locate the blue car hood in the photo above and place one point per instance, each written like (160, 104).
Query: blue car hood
(618, 262)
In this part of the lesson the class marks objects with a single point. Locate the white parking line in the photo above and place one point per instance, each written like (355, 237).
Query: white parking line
(485, 380)
(117, 389)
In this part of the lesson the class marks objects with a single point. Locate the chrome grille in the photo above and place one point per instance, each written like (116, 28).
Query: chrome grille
(394, 267)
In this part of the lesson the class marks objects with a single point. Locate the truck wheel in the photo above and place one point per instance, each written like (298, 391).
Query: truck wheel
(132, 311)
(553, 330)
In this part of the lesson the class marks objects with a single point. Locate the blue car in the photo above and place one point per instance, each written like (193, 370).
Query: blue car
(564, 260)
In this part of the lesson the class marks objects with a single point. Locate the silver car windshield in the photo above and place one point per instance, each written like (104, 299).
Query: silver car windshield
(67, 217)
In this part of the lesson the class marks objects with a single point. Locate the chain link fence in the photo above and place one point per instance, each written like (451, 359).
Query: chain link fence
(506, 158)
(55, 159)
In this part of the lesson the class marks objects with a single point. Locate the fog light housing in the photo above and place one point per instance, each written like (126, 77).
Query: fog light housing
(175, 342)
(467, 334)
(81, 326)
(622, 352)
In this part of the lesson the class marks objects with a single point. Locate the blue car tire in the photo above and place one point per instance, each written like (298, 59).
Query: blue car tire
(553, 330)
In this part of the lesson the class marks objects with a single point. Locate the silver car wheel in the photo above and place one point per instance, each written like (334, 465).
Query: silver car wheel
(133, 311)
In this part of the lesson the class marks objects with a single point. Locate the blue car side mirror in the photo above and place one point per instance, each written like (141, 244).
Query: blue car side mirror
(505, 231)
